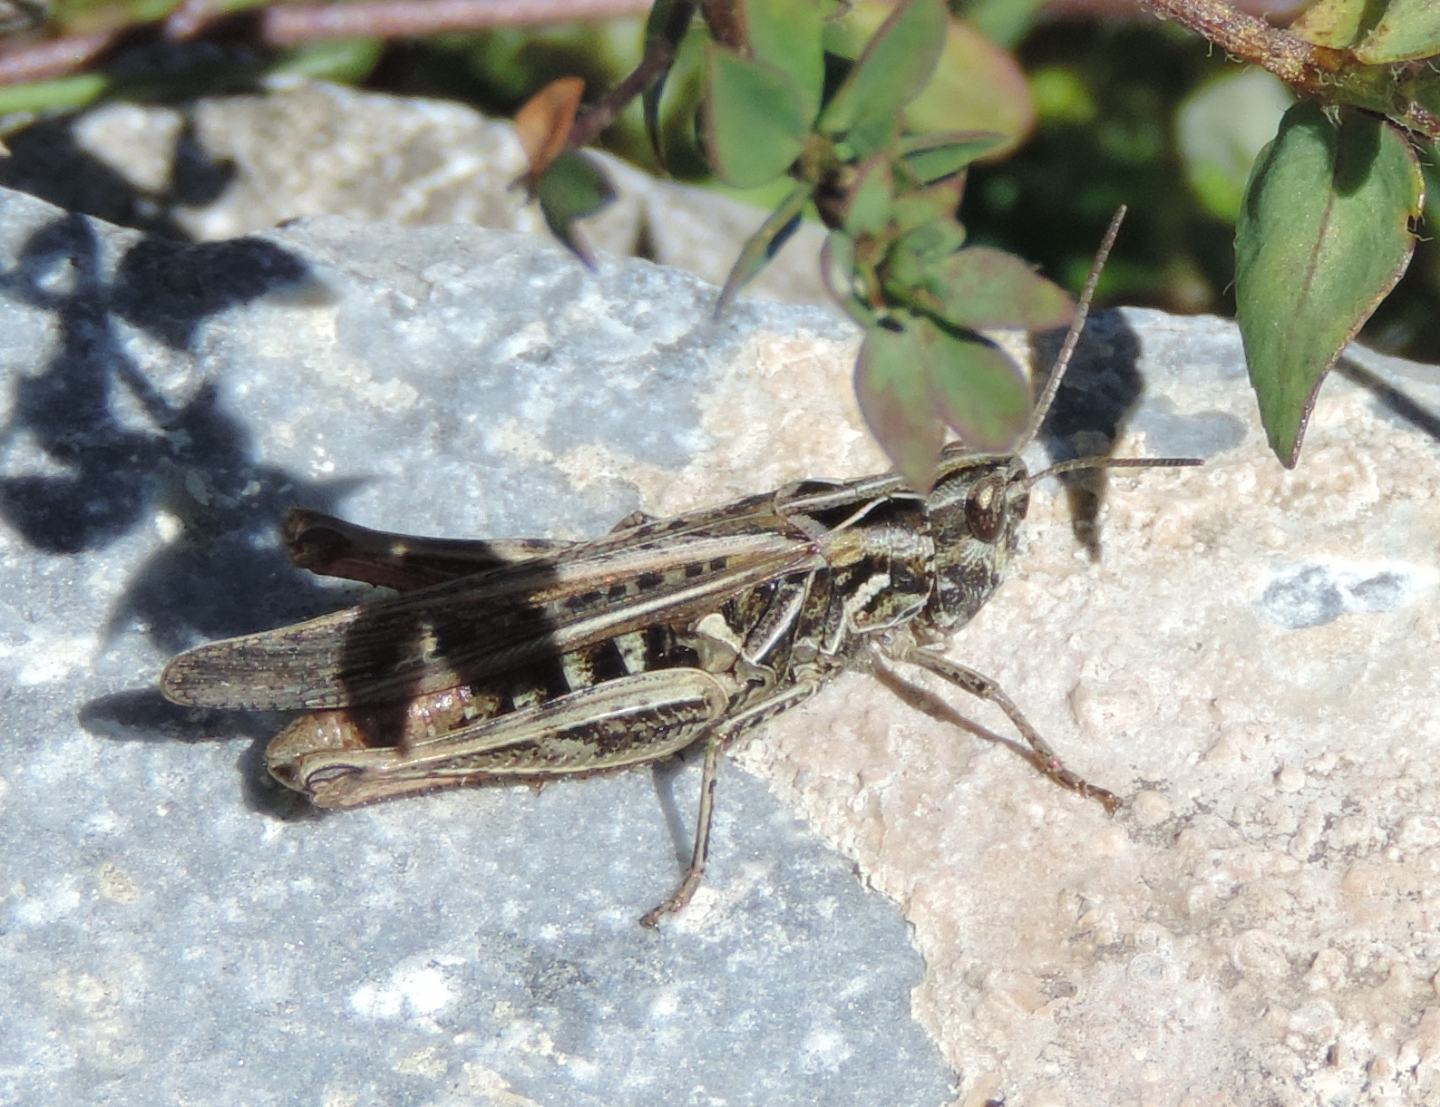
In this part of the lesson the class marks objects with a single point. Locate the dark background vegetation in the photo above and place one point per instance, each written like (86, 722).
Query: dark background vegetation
(1128, 109)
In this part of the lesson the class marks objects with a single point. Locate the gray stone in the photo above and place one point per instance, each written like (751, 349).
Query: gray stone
(176, 928)
(1313, 595)
(216, 168)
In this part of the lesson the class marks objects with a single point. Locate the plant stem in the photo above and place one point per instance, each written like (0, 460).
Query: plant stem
(1298, 63)
(294, 24)
(289, 24)
(1328, 74)
(658, 55)
(723, 22)
(45, 60)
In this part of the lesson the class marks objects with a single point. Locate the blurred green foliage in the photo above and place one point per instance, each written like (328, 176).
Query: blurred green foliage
(1126, 110)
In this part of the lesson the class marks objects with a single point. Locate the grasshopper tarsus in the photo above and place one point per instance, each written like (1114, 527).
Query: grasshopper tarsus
(1073, 782)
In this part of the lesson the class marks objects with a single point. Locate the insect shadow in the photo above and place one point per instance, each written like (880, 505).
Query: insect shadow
(1096, 399)
(944, 711)
(143, 715)
(95, 449)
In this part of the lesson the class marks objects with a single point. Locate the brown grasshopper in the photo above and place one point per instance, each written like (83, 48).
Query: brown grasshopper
(528, 659)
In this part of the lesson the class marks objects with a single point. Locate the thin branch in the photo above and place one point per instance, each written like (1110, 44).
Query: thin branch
(1280, 10)
(291, 24)
(294, 24)
(1298, 63)
(1326, 73)
(190, 19)
(47, 60)
(659, 53)
(721, 19)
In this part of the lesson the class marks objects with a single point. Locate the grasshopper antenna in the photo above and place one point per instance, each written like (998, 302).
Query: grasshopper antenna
(1072, 336)
(1114, 463)
(1062, 362)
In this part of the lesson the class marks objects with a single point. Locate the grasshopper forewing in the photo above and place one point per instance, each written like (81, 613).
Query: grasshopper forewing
(527, 659)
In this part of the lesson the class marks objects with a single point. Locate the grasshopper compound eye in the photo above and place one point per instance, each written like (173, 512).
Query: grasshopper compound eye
(985, 508)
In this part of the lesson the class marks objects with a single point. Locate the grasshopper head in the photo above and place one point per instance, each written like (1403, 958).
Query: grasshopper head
(975, 512)
(979, 501)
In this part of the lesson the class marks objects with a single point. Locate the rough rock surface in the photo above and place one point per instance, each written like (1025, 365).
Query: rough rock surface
(216, 168)
(1249, 660)
(179, 929)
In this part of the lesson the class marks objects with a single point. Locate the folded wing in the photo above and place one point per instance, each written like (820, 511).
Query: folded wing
(492, 622)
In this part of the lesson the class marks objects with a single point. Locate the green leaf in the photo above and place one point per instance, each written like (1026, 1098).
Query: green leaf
(938, 202)
(978, 389)
(1322, 238)
(868, 137)
(1004, 22)
(1335, 23)
(895, 65)
(668, 22)
(979, 287)
(1219, 130)
(1430, 170)
(60, 93)
(890, 382)
(572, 188)
(908, 272)
(346, 60)
(1406, 29)
(755, 121)
(985, 287)
(933, 157)
(1377, 33)
(866, 208)
(930, 242)
(787, 35)
(1385, 38)
(763, 245)
(977, 85)
(837, 270)
(680, 133)
(837, 257)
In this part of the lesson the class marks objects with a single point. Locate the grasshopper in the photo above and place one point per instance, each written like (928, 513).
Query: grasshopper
(529, 659)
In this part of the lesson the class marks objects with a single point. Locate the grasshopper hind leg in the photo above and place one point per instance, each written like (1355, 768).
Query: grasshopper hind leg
(332, 547)
(982, 687)
(766, 702)
(700, 852)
